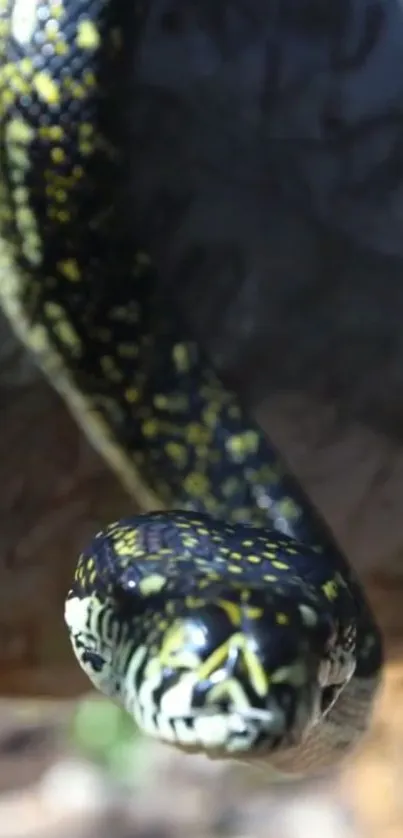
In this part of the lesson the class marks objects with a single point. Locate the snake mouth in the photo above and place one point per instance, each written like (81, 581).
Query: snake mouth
(235, 731)
(222, 714)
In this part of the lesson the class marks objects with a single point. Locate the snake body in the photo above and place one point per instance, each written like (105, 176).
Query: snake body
(234, 626)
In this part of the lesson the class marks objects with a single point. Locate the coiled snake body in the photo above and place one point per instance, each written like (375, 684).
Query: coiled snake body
(234, 626)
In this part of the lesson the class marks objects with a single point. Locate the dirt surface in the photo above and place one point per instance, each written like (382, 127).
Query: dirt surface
(55, 493)
(49, 788)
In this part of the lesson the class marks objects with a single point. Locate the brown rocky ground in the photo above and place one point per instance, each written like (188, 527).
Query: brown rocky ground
(54, 493)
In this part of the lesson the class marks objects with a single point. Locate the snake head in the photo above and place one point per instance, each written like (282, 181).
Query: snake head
(224, 663)
(235, 672)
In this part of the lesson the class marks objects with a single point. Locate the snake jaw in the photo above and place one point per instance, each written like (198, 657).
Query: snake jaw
(211, 685)
(94, 654)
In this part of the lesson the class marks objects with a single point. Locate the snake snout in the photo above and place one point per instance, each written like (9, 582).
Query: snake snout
(231, 673)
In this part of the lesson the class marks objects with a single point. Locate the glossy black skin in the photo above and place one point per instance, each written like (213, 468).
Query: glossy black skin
(286, 568)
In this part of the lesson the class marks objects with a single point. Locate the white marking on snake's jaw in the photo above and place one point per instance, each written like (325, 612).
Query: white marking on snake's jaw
(206, 728)
(78, 615)
(75, 613)
(308, 615)
(81, 616)
(24, 21)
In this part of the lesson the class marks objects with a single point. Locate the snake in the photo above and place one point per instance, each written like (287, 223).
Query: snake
(224, 617)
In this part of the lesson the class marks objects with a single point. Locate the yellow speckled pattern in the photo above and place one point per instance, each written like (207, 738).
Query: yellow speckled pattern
(90, 309)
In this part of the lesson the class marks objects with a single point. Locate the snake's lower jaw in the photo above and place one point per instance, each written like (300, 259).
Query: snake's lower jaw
(231, 733)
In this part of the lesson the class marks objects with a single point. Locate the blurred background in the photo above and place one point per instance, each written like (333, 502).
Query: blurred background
(71, 763)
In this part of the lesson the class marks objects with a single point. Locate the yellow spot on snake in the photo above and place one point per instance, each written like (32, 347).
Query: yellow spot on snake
(21, 195)
(132, 395)
(177, 452)
(110, 369)
(256, 672)
(46, 88)
(89, 78)
(78, 90)
(161, 402)
(51, 132)
(61, 48)
(87, 35)
(19, 131)
(150, 428)
(85, 148)
(121, 547)
(241, 444)
(232, 610)
(253, 613)
(32, 248)
(70, 269)
(180, 355)
(215, 660)
(127, 350)
(189, 541)
(57, 154)
(19, 158)
(288, 509)
(56, 10)
(282, 619)
(7, 99)
(86, 130)
(196, 484)
(194, 602)
(196, 434)
(62, 216)
(25, 219)
(63, 328)
(152, 584)
(174, 653)
(210, 414)
(330, 589)
(52, 30)
(26, 66)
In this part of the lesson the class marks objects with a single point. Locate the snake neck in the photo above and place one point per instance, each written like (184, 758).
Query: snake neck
(332, 741)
